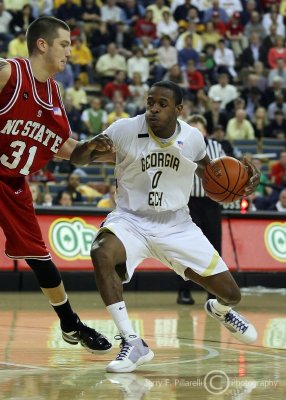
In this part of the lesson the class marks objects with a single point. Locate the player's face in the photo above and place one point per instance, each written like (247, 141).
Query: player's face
(161, 111)
(59, 51)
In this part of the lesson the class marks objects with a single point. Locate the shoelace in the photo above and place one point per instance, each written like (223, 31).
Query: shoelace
(235, 321)
(124, 348)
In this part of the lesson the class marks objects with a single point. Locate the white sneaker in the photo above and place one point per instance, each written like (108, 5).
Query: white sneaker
(133, 352)
(239, 327)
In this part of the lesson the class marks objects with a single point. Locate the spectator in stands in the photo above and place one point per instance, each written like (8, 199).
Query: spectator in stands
(195, 78)
(268, 42)
(72, 187)
(252, 97)
(215, 116)
(146, 27)
(219, 25)
(22, 19)
(210, 35)
(279, 169)
(231, 6)
(73, 115)
(273, 17)
(278, 104)
(239, 127)
(111, 62)
(272, 91)
(118, 85)
(268, 202)
(100, 38)
(182, 11)
(188, 53)
(81, 60)
(77, 94)
(5, 20)
(138, 92)
(254, 25)
(224, 59)
(234, 34)
(281, 203)
(36, 193)
(219, 11)
(224, 90)
(48, 200)
(109, 200)
(117, 114)
(197, 42)
(66, 77)
(167, 27)
(250, 5)
(253, 53)
(202, 101)
(278, 71)
(64, 199)
(111, 14)
(123, 39)
(157, 8)
(41, 8)
(218, 134)
(207, 64)
(176, 75)
(90, 16)
(138, 63)
(277, 52)
(260, 122)
(261, 74)
(167, 57)
(277, 127)
(133, 11)
(94, 118)
(44, 175)
(263, 189)
(69, 12)
(18, 47)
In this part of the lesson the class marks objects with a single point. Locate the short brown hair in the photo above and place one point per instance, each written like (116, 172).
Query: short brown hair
(195, 118)
(46, 28)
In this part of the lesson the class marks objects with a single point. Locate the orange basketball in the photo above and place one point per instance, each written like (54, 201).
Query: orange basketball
(225, 179)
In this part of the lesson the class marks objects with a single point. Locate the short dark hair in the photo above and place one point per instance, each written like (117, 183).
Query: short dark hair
(46, 28)
(177, 91)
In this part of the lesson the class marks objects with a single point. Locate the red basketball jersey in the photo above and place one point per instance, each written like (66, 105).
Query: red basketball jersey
(33, 122)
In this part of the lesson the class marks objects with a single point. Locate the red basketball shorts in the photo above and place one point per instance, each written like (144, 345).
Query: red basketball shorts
(18, 221)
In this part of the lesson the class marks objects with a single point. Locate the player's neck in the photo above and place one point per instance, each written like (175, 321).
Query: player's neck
(167, 132)
(39, 69)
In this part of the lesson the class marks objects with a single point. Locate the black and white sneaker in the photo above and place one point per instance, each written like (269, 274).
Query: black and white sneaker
(239, 327)
(89, 338)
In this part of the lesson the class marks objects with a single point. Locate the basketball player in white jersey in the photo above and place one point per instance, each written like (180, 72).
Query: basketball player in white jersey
(156, 158)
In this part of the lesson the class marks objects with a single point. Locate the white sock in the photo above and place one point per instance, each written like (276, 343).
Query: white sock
(220, 308)
(119, 315)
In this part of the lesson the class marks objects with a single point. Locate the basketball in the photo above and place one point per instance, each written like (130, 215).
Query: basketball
(225, 179)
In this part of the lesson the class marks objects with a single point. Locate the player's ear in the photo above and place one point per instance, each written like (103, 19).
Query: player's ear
(179, 109)
(42, 45)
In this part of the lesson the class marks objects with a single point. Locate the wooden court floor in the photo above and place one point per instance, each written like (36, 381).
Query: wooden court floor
(195, 358)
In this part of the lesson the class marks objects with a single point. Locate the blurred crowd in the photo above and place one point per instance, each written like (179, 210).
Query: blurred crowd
(228, 56)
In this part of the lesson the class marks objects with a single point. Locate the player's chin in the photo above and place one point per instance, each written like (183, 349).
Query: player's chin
(154, 123)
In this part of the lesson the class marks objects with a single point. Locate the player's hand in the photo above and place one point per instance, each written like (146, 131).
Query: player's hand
(101, 142)
(254, 176)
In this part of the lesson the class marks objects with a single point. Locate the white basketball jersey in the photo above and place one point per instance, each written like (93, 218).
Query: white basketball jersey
(154, 176)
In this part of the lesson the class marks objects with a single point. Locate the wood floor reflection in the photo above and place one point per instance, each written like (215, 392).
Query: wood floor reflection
(195, 358)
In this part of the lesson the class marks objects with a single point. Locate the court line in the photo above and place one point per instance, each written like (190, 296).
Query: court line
(23, 366)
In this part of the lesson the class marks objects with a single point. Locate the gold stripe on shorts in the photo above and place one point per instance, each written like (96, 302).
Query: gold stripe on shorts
(210, 269)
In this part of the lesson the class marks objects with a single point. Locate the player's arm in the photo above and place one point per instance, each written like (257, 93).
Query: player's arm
(99, 148)
(5, 72)
(202, 165)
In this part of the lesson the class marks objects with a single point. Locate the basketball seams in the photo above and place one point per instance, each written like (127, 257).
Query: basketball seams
(228, 194)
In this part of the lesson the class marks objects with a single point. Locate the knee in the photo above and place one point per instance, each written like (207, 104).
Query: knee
(101, 258)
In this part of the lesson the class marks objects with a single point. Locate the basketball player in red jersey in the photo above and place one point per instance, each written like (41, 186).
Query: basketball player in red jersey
(33, 129)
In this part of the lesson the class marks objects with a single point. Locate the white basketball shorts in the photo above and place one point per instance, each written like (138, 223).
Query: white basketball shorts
(171, 237)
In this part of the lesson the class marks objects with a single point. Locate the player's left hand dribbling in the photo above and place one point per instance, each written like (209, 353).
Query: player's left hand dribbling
(254, 176)
(101, 142)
